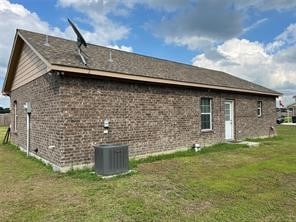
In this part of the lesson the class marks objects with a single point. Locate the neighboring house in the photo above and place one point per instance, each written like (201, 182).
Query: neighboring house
(153, 105)
(292, 107)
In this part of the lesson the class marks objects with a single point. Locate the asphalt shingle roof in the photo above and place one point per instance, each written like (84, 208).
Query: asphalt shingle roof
(64, 52)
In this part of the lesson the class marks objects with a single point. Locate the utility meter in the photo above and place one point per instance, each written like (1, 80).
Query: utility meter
(106, 123)
(28, 107)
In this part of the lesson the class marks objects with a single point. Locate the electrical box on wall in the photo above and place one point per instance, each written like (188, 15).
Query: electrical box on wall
(28, 107)
(106, 123)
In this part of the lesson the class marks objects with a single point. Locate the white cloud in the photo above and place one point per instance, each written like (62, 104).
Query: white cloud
(122, 48)
(105, 31)
(191, 42)
(254, 62)
(101, 6)
(289, 35)
(265, 5)
(119, 7)
(199, 24)
(167, 5)
(4, 101)
(196, 22)
(255, 25)
(285, 39)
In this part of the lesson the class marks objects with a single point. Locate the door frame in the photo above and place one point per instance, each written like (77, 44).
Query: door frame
(231, 101)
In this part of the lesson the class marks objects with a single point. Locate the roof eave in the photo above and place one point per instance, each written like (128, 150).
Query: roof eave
(70, 69)
(12, 58)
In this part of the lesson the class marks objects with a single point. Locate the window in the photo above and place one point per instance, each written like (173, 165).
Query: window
(206, 113)
(259, 108)
(15, 116)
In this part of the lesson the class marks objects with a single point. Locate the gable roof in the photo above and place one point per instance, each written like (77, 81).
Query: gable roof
(61, 55)
(292, 105)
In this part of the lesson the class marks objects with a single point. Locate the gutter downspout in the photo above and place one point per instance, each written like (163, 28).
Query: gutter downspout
(28, 134)
(28, 110)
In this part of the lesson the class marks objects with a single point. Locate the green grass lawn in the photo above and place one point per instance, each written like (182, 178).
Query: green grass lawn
(226, 184)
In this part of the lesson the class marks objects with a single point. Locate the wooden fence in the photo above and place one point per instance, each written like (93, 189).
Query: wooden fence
(5, 119)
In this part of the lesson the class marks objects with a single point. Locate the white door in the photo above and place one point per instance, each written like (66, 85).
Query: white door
(228, 106)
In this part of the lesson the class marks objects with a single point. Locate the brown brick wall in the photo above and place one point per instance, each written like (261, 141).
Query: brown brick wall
(46, 119)
(247, 123)
(149, 118)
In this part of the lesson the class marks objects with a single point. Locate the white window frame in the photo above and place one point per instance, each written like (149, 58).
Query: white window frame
(210, 113)
(15, 116)
(259, 108)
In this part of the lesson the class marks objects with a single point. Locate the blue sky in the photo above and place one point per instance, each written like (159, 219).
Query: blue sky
(254, 40)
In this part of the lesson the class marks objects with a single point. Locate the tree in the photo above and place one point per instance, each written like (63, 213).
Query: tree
(4, 110)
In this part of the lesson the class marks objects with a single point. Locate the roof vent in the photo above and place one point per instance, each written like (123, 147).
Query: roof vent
(46, 41)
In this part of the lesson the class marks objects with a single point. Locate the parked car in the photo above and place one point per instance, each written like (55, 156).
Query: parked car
(280, 119)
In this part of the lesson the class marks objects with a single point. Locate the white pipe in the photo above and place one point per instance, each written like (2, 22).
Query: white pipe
(28, 133)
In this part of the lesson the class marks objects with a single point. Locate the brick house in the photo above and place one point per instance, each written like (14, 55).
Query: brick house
(152, 105)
